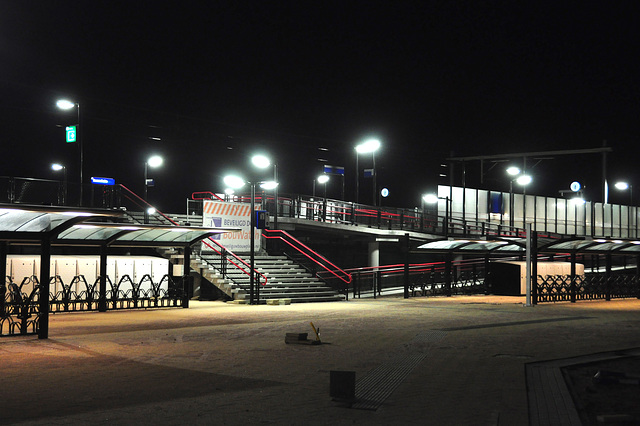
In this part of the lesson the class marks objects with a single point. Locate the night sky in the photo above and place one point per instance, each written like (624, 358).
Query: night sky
(306, 81)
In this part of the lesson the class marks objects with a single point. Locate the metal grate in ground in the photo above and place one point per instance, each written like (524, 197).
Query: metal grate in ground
(375, 387)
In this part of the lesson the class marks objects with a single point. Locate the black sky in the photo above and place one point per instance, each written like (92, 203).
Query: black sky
(216, 80)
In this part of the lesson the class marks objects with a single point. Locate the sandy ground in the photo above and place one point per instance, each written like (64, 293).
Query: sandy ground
(218, 363)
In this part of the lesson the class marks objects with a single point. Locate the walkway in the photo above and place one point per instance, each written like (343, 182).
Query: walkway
(219, 363)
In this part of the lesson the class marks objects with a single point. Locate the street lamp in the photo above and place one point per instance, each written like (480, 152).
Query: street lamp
(262, 162)
(434, 199)
(368, 146)
(65, 104)
(322, 179)
(154, 161)
(56, 168)
(237, 182)
(523, 180)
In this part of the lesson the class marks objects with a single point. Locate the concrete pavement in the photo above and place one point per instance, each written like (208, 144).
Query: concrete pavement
(218, 363)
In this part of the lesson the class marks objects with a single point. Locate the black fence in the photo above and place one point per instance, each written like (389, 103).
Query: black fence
(20, 304)
(561, 288)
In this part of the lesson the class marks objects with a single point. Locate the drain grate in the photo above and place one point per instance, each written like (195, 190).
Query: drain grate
(375, 387)
(429, 336)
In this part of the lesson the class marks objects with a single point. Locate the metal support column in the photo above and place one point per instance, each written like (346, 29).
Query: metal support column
(45, 272)
(186, 276)
(608, 277)
(573, 277)
(405, 247)
(447, 275)
(3, 276)
(102, 298)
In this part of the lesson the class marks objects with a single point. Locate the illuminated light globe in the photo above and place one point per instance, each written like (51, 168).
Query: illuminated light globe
(233, 181)
(524, 180)
(430, 198)
(513, 171)
(269, 185)
(323, 178)
(65, 104)
(260, 161)
(370, 145)
(622, 186)
(155, 161)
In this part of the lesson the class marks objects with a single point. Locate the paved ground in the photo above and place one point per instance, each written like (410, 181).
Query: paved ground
(219, 363)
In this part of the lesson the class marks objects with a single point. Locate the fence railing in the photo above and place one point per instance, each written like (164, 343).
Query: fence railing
(562, 288)
(20, 304)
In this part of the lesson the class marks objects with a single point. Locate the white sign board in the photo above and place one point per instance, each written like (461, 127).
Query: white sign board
(234, 215)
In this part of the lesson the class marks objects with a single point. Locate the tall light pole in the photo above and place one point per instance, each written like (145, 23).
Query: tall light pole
(523, 180)
(66, 104)
(433, 199)
(261, 162)
(56, 168)
(368, 146)
(322, 180)
(154, 161)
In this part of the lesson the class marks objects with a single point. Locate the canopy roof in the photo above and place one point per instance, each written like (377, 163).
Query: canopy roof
(511, 246)
(29, 224)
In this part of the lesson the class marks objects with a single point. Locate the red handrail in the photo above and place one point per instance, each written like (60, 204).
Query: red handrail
(145, 202)
(207, 244)
(236, 257)
(308, 250)
(211, 196)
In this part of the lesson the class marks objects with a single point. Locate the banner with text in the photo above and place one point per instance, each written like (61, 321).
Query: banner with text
(233, 215)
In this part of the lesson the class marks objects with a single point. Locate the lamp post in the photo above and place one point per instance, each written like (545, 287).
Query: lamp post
(56, 168)
(65, 104)
(368, 146)
(433, 199)
(522, 179)
(154, 161)
(237, 182)
(322, 179)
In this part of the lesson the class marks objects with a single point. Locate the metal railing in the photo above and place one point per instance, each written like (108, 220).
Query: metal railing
(319, 260)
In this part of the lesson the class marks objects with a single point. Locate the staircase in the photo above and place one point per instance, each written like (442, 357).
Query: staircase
(287, 281)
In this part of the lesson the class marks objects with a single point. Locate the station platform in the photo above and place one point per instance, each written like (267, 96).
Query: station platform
(460, 360)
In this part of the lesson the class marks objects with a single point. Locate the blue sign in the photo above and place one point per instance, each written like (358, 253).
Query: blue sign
(103, 181)
(368, 173)
(334, 170)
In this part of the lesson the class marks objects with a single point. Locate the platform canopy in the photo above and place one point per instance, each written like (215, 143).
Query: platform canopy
(514, 246)
(24, 224)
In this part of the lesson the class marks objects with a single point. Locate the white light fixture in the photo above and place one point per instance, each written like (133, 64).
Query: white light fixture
(622, 186)
(269, 185)
(233, 181)
(370, 145)
(430, 198)
(155, 161)
(523, 180)
(260, 161)
(323, 178)
(513, 171)
(151, 210)
(57, 167)
(65, 104)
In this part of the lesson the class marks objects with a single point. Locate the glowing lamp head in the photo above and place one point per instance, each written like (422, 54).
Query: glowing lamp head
(260, 161)
(65, 104)
(155, 161)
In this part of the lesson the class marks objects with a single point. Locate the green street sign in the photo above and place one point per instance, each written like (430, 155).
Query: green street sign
(71, 134)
